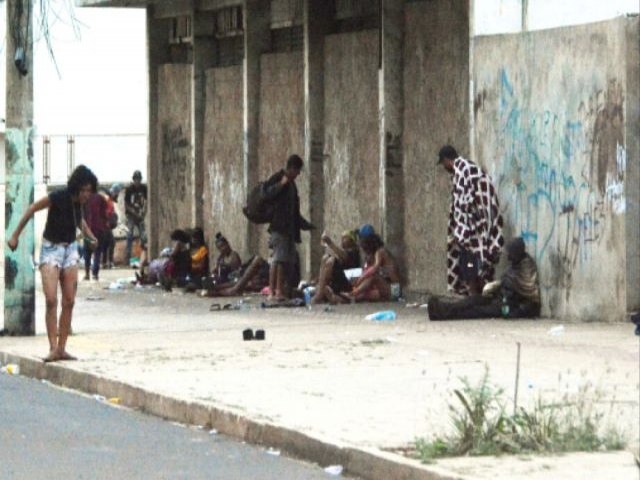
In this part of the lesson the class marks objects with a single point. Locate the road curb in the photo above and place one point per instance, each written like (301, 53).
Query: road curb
(369, 464)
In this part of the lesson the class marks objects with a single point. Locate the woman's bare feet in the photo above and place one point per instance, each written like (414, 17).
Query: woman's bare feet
(52, 357)
(64, 355)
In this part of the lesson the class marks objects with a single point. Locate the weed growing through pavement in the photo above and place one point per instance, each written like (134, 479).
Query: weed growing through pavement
(482, 426)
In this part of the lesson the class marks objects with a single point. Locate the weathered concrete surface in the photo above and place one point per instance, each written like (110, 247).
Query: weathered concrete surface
(174, 209)
(282, 125)
(333, 377)
(551, 129)
(436, 112)
(352, 144)
(223, 186)
(632, 175)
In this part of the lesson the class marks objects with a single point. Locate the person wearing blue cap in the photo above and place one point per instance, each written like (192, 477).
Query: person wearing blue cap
(366, 231)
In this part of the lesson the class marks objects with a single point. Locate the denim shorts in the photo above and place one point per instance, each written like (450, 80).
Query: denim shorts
(61, 255)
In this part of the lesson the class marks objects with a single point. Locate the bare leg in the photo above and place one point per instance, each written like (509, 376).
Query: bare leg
(326, 270)
(370, 284)
(280, 270)
(273, 275)
(250, 272)
(50, 275)
(69, 283)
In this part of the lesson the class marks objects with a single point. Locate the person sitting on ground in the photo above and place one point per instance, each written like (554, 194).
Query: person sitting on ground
(199, 257)
(332, 279)
(515, 295)
(380, 275)
(228, 261)
(178, 268)
(152, 273)
(252, 276)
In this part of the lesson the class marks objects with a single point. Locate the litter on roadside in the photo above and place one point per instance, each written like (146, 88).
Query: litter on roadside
(334, 470)
(213, 431)
(383, 316)
(94, 298)
(114, 401)
(556, 331)
(11, 369)
(274, 452)
(100, 398)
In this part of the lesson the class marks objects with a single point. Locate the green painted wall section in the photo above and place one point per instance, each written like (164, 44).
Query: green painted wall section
(19, 272)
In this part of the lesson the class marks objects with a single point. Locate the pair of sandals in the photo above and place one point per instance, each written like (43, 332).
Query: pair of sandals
(249, 335)
(216, 307)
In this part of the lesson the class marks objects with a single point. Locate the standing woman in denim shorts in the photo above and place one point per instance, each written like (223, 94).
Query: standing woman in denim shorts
(59, 254)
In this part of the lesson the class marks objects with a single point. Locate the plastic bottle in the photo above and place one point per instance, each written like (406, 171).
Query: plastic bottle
(307, 297)
(383, 316)
(505, 308)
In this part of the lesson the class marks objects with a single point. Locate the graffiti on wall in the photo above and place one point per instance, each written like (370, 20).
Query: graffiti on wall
(561, 178)
(175, 176)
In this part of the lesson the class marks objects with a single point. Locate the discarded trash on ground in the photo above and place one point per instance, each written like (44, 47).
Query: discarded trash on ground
(100, 398)
(11, 369)
(94, 298)
(334, 470)
(114, 401)
(274, 452)
(213, 431)
(383, 316)
(556, 331)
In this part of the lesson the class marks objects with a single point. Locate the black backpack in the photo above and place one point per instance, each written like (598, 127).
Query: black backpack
(258, 209)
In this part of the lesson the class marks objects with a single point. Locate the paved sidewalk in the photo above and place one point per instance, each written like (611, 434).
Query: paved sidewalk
(340, 379)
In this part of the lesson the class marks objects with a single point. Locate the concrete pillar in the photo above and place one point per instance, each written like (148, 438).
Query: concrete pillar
(525, 15)
(257, 40)
(204, 51)
(19, 280)
(157, 54)
(632, 174)
(391, 105)
(318, 15)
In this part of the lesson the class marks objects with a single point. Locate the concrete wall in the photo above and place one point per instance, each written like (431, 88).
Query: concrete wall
(224, 193)
(282, 124)
(551, 127)
(436, 112)
(352, 145)
(174, 131)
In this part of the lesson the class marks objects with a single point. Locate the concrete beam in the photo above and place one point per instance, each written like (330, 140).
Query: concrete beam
(318, 16)
(157, 54)
(391, 113)
(19, 278)
(257, 39)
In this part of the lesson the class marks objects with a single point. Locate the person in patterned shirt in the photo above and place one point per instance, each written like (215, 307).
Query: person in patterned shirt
(475, 239)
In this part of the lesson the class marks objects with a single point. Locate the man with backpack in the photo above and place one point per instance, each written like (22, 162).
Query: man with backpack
(285, 226)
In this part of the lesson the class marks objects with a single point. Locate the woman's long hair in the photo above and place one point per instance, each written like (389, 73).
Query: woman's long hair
(80, 177)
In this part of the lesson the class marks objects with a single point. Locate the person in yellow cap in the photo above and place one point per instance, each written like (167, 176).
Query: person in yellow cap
(338, 258)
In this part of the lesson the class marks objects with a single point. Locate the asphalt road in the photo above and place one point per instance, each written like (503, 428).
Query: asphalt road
(49, 433)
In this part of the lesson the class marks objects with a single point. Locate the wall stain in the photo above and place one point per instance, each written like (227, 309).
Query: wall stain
(175, 168)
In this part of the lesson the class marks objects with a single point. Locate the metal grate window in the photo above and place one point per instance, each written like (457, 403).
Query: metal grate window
(229, 21)
(180, 30)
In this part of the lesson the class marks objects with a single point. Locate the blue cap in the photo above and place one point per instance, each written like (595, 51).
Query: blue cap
(366, 231)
